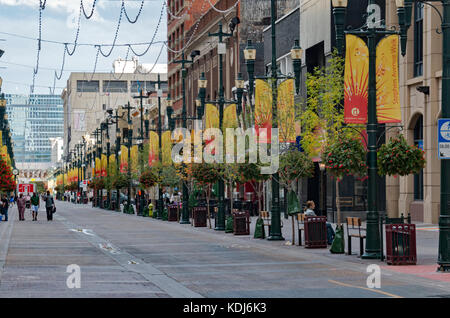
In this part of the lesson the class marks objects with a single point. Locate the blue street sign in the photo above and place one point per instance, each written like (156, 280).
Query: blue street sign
(444, 138)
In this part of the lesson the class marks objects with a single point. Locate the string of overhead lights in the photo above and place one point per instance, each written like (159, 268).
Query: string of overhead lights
(138, 14)
(114, 44)
(223, 11)
(92, 10)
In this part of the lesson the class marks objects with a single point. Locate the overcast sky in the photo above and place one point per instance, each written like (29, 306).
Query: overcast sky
(59, 23)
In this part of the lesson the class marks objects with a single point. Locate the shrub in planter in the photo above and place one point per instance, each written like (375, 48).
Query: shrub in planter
(398, 158)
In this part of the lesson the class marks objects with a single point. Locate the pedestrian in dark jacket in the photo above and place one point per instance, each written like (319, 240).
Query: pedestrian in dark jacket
(49, 205)
(21, 202)
(5, 206)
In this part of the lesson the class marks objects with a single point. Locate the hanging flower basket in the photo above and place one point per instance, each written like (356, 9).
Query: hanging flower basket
(398, 158)
(345, 157)
(149, 178)
(120, 181)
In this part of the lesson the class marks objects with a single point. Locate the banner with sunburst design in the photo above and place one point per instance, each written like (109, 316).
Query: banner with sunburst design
(356, 78)
(388, 94)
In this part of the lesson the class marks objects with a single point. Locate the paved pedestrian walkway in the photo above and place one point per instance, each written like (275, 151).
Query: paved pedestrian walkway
(123, 255)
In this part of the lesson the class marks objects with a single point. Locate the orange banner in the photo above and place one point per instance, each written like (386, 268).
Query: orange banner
(356, 78)
(104, 165)
(388, 94)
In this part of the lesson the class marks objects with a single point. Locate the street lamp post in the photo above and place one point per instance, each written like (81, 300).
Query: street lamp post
(97, 154)
(183, 62)
(202, 84)
(116, 118)
(141, 149)
(374, 33)
(250, 56)
(404, 11)
(159, 131)
(129, 144)
(220, 224)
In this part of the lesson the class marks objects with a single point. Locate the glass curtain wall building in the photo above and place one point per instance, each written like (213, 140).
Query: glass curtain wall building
(33, 120)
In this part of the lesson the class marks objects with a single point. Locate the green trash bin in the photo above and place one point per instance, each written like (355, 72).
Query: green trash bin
(259, 229)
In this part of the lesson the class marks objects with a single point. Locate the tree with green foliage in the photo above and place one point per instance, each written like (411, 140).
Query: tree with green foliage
(293, 166)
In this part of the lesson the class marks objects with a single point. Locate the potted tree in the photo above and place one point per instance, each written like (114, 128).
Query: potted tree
(293, 166)
(206, 174)
(343, 155)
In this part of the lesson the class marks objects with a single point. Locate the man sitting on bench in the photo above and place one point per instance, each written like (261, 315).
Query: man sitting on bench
(310, 212)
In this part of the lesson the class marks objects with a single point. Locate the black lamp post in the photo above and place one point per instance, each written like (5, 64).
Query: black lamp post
(115, 119)
(374, 34)
(203, 84)
(159, 131)
(250, 56)
(183, 62)
(129, 145)
(404, 11)
(141, 96)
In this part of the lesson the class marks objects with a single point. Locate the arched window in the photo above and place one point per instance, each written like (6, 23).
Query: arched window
(418, 141)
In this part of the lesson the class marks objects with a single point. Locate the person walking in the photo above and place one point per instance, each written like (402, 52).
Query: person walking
(5, 206)
(49, 206)
(21, 207)
(310, 212)
(35, 205)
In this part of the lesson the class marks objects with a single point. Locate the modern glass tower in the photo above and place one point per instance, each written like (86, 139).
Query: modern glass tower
(33, 120)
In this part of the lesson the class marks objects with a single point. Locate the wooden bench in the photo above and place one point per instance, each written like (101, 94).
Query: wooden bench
(355, 224)
(300, 222)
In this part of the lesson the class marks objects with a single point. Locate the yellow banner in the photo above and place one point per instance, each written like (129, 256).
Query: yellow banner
(166, 140)
(112, 165)
(229, 117)
(211, 116)
(263, 110)
(134, 158)
(123, 158)
(388, 94)
(286, 111)
(153, 151)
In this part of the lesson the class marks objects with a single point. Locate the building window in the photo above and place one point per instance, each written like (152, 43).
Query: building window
(418, 39)
(146, 86)
(87, 86)
(115, 86)
(418, 178)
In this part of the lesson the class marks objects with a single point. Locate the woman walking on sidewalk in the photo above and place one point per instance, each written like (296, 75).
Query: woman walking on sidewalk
(35, 205)
(49, 206)
(21, 206)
